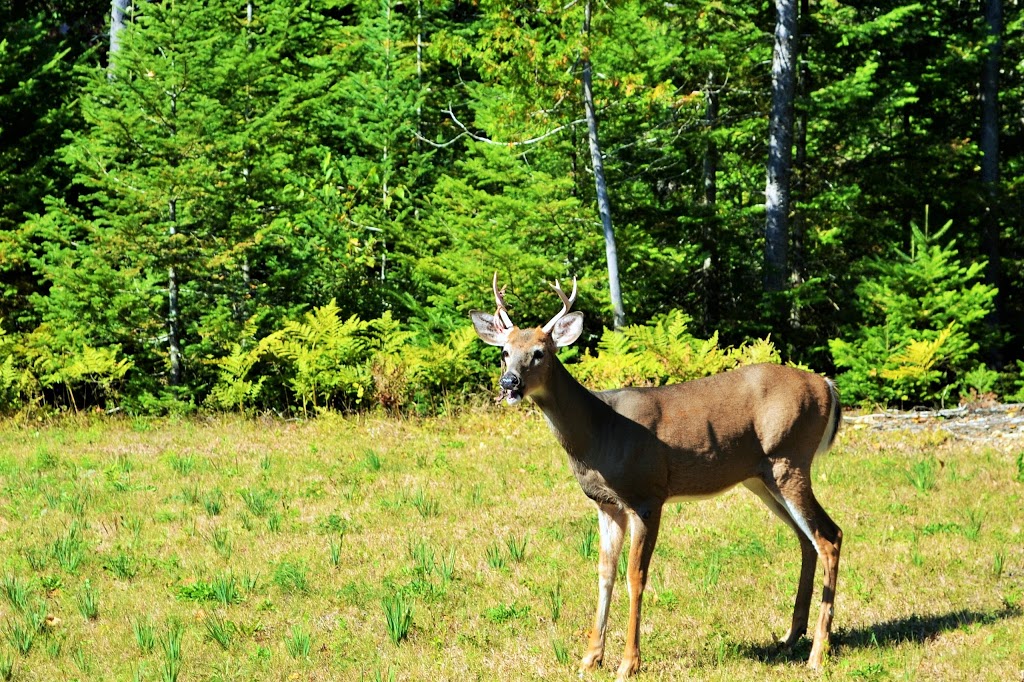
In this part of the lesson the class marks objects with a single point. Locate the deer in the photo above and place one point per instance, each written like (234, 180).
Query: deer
(635, 449)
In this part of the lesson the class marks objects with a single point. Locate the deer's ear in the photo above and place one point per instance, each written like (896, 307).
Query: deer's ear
(488, 328)
(567, 329)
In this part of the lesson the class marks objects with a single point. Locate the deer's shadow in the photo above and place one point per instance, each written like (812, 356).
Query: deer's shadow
(911, 628)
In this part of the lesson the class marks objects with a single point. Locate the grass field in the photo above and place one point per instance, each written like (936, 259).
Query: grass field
(462, 549)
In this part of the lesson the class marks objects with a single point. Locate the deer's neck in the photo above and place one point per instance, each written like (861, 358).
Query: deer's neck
(573, 412)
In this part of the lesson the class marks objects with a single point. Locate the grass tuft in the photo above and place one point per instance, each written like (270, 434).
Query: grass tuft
(298, 642)
(922, 474)
(292, 577)
(183, 465)
(555, 602)
(88, 601)
(397, 616)
(219, 630)
(225, 589)
(16, 592)
(495, 558)
(587, 546)
(259, 501)
(6, 666)
(516, 548)
(170, 647)
(220, 540)
(122, 565)
(69, 548)
(372, 461)
(213, 502)
(425, 505)
(561, 651)
(145, 635)
(334, 549)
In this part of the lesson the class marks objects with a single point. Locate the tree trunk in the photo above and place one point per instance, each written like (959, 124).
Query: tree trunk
(797, 227)
(603, 205)
(709, 271)
(710, 169)
(780, 147)
(117, 12)
(173, 316)
(990, 156)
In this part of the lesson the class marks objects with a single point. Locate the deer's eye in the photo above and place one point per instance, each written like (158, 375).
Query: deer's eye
(504, 355)
(537, 355)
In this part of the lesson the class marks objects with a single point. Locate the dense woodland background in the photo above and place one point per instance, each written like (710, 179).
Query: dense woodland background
(288, 206)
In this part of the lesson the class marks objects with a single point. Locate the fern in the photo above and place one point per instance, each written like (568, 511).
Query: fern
(664, 352)
(11, 381)
(329, 358)
(81, 368)
(914, 368)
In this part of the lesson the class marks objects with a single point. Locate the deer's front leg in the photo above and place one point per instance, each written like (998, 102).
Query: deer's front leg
(611, 521)
(644, 524)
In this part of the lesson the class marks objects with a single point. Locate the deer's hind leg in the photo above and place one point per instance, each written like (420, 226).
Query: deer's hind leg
(791, 487)
(808, 563)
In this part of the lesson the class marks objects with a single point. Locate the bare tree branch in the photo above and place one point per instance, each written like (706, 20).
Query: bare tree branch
(466, 132)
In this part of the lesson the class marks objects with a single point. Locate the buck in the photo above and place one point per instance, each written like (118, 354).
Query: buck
(635, 449)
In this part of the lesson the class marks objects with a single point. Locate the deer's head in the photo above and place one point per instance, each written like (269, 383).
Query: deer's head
(527, 355)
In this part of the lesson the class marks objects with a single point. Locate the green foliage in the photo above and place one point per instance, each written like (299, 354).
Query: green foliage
(919, 339)
(359, 170)
(327, 358)
(14, 379)
(664, 352)
(1016, 394)
(333, 363)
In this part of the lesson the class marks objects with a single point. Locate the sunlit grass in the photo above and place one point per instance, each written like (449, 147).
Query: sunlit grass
(462, 548)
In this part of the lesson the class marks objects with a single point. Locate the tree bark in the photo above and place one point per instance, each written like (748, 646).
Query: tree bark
(603, 204)
(118, 8)
(989, 143)
(173, 313)
(780, 146)
(710, 167)
(797, 227)
(710, 268)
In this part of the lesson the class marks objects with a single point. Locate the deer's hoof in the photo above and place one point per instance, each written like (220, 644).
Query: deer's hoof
(792, 637)
(628, 668)
(817, 658)
(591, 661)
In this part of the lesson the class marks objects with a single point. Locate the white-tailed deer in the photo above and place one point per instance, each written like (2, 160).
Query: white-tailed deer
(634, 449)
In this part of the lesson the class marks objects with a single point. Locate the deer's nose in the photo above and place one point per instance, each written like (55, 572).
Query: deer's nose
(509, 381)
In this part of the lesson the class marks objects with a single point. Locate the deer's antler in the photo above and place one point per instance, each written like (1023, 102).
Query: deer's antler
(501, 314)
(566, 305)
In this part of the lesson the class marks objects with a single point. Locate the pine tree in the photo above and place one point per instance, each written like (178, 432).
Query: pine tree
(178, 238)
(923, 321)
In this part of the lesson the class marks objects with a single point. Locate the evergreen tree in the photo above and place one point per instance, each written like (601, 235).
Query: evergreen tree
(39, 42)
(923, 316)
(179, 238)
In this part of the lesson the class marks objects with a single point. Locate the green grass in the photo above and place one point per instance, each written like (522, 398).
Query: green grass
(372, 548)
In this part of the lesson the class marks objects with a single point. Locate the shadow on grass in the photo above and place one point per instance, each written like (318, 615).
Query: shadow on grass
(912, 628)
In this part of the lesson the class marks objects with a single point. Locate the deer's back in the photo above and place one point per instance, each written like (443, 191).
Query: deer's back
(744, 413)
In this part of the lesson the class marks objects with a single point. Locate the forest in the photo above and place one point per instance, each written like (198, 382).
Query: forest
(291, 206)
